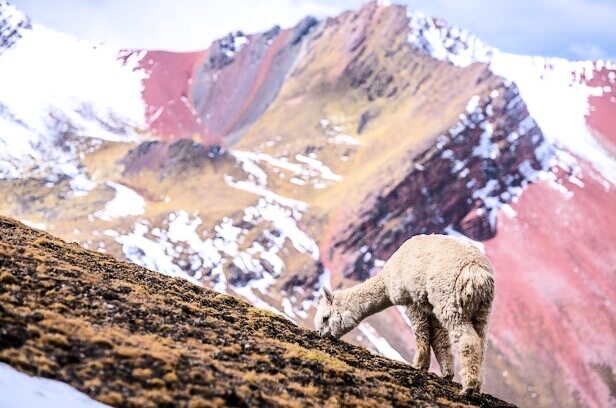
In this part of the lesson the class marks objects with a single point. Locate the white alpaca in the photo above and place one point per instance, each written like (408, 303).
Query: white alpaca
(447, 287)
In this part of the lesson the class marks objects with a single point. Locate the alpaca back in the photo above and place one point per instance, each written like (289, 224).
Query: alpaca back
(438, 269)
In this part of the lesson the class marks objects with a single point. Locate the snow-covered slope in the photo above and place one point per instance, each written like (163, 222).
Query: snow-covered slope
(12, 24)
(556, 91)
(56, 90)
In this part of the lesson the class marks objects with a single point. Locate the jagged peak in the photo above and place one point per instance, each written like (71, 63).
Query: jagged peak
(446, 42)
(436, 37)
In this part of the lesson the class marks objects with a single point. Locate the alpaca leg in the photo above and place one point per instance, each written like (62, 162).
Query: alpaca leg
(439, 340)
(469, 347)
(480, 324)
(420, 322)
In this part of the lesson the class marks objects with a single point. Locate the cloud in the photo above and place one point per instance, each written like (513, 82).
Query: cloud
(568, 28)
(163, 24)
(543, 27)
(588, 51)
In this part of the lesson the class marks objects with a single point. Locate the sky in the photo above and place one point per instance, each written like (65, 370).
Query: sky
(575, 29)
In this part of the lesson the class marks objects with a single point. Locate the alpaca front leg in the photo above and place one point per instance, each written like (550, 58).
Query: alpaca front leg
(439, 340)
(469, 346)
(420, 323)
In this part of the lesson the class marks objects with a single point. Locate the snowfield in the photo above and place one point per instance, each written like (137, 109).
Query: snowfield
(55, 86)
(19, 390)
(126, 202)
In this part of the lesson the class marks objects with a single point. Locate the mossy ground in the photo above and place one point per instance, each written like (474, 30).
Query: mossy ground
(131, 337)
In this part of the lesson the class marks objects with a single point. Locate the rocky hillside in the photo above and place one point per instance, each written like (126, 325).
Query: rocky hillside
(269, 165)
(131, 337)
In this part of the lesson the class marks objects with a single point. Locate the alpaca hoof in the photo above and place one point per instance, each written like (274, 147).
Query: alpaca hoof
(448, 377)
(468, 391)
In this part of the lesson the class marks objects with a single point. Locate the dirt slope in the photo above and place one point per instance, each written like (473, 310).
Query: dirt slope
(128, 336)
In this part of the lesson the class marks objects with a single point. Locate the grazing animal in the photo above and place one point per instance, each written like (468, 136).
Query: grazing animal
(447, 287)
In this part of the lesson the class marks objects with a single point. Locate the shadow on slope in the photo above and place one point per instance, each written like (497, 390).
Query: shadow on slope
(131, 337)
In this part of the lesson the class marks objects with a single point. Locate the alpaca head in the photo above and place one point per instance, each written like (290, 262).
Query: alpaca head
(331, 318)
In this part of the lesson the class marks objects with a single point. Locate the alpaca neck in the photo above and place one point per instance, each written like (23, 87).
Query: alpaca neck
(366, 298)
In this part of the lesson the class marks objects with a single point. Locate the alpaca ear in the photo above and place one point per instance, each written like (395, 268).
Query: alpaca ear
(328, 295)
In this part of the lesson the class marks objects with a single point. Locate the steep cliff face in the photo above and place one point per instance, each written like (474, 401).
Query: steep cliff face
(270, 165)
(213, 95)
(459, 183)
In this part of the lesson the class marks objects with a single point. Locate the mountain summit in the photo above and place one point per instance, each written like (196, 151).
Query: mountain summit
(269, 165)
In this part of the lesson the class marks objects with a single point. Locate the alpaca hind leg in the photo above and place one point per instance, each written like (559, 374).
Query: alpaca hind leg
(439, 340)
(469, 347)
(420, 322)
(480, 324)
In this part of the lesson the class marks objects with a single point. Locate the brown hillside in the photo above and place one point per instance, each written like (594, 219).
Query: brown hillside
(128, 336)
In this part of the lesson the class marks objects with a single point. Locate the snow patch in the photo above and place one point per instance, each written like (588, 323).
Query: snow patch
(473, 104)
(287, 308)
(308, 170)
(283, 220)
(314, 164)
(147, 252)
(486, 148)
(333, 132)
(248, 162)
(21, 390)
(38, 225)
(445, 42)
(233, 43)
(251, 187)
(379, 343)
(80, 184)
(343, 139)
(556, 94)
(127, 202)
(449, 230)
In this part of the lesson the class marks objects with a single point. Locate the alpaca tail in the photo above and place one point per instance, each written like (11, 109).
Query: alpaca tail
(474, 287)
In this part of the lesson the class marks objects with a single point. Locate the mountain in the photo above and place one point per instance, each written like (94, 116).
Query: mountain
(269, 165)
(131, 337)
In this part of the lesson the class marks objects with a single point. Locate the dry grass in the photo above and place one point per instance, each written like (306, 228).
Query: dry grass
(131, 337)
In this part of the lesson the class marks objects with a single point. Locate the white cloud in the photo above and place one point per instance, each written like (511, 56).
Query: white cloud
(588, 51)
(162, 24)
(532, 26)
(550, 27)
